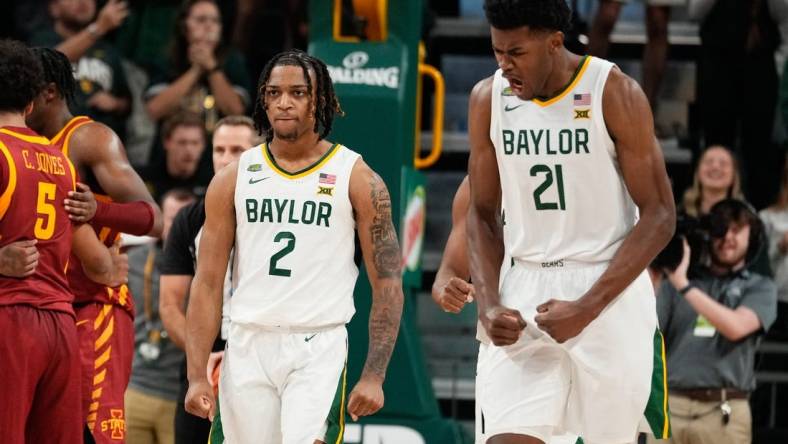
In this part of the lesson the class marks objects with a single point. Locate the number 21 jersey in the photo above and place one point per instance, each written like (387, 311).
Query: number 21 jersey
(562, 189)
(294, 241)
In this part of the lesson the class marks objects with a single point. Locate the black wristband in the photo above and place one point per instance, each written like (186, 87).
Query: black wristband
(686, 289)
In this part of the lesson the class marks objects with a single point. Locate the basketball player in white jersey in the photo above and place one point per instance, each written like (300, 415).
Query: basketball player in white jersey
(452, 291)
(568, 143)
(291, 206)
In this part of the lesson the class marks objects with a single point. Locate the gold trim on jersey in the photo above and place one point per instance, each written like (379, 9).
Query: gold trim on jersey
(666, 426)
(41, 140)
(68, 130)
(572, 83)
(8, 193)
(73, 173)
(269, 159)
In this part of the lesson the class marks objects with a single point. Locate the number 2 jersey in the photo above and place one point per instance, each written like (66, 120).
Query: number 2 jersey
(34, 181)
(85, 290)
(294, 242)
(562, 191)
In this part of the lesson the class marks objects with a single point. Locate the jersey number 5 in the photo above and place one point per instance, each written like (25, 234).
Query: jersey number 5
(290, 238)
(548, 181)
(45, 222)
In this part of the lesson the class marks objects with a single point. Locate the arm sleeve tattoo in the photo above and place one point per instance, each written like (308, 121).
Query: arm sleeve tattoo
(387, 299)
(385, 250)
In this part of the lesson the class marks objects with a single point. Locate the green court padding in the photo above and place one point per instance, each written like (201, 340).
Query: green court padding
(376, 83)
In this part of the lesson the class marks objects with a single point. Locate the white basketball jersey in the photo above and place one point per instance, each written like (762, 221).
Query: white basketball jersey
(294, 242)
(563, 193)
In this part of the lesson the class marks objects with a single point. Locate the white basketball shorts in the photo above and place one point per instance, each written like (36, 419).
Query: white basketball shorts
(283, 387)
(596, 385)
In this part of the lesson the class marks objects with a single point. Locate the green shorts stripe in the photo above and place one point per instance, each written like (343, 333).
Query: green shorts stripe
(336, 416)
(657, 412)
(216, 436)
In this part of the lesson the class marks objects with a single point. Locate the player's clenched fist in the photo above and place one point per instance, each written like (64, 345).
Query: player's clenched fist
(503, 325)
(563, 320)
(455, 294)
(200, 400)
(366, 397)
(19, 259)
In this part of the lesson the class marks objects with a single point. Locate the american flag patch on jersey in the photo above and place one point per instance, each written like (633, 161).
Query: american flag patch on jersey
(583, 99)
(329, 179)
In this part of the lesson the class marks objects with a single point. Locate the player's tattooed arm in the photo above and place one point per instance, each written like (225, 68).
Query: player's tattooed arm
(383, 327)
(385, 248)
(387, 283)
(382, 257)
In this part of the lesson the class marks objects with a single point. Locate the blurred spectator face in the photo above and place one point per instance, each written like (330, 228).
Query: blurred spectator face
(229, 141)
(183, 149)
(287, 102)
(203, 24)
(716, 169)
(75, 14)
(169, 208)
(731, 250)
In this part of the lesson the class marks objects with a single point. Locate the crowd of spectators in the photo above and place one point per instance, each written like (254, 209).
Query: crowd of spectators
(162, 74)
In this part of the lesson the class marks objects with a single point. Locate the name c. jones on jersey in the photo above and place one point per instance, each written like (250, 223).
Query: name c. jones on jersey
(544, 141)
(288, 211)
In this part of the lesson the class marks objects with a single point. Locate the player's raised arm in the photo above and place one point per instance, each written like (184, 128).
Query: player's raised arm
(204, 313)
(382, 257)
(451, 289)
(631, 126)
(485, 236)
(134, 211)
(105, 266)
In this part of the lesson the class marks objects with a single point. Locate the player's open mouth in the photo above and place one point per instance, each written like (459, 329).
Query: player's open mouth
(516, 84)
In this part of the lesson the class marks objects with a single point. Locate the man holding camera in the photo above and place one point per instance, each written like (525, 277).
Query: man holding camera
(712, 325)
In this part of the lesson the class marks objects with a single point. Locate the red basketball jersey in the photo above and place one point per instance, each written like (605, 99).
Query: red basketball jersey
(85, 290)
(34, 180)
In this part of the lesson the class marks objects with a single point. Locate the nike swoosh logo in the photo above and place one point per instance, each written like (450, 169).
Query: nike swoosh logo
(507, 108)
(310, 338)
(254, 181)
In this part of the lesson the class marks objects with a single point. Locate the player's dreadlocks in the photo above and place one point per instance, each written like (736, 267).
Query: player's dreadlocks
(548, 15)
(21, 78)
(58, 70)
(326, 103)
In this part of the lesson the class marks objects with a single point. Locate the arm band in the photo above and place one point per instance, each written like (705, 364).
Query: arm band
(133, 217)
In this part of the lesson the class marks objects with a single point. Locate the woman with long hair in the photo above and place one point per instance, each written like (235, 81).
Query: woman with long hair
(204, 74)
(716, 178)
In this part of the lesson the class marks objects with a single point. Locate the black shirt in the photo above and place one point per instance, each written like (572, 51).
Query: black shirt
(180, 250)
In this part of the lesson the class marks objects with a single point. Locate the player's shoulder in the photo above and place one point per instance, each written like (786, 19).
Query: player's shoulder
(482, 89)
(361, 171)
(345, 156)
(363, 181)
(92, 139)
(620, 85)
(93, 129)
